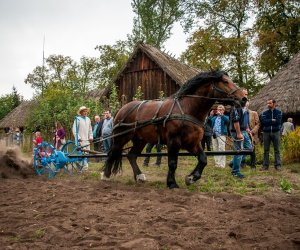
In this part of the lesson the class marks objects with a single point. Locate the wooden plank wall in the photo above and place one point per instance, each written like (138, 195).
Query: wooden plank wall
(145, 73)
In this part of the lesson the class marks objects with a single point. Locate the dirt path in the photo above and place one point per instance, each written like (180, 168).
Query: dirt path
(69, 213)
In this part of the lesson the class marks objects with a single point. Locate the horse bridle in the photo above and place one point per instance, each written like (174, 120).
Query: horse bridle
(229, 94)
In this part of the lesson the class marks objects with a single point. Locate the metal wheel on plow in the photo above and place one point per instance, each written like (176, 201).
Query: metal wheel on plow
(74, 164)
(44, 158)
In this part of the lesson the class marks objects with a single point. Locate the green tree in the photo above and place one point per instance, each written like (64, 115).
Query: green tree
(9, 102)
(111, 60)
(65, 73)
(154, 20)
(278, 33)
(114, 103)
(16, 98)
(58, 104)
(206, 49)
(224, 40)
(38, 79)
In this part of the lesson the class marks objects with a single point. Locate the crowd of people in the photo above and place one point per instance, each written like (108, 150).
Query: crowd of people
(242, 125)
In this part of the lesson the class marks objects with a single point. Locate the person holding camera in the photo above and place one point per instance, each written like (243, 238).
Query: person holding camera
(271, 126)
(219, 123)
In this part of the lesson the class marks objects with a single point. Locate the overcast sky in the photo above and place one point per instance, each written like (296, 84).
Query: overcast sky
(70, 27)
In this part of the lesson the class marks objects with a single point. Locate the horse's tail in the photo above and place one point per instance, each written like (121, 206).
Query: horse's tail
(113, 164)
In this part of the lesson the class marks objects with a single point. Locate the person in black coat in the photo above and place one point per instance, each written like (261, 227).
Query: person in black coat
(271, 125)
(97, 134)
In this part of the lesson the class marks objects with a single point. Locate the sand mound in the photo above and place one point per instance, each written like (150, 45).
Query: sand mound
(12, 165)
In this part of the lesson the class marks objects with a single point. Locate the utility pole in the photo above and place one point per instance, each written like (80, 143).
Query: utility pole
(43, 67)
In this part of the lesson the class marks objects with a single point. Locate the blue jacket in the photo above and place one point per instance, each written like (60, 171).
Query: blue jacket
(237, 115)
(224, 122)
(266, 120)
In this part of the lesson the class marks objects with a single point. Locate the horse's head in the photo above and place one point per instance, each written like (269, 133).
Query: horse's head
(225, 88)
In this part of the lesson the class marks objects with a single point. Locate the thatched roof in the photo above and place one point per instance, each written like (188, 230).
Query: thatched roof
(97, 93)
(18, 116)
(177, 70)
(284, 88)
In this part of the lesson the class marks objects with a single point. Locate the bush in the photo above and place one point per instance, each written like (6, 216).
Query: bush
(291, 146)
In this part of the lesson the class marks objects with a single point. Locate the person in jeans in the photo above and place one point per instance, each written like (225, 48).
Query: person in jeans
(252, 130)
(241, 140)
(148, 151)
(107, 129)
(271, 126)
(218, 122)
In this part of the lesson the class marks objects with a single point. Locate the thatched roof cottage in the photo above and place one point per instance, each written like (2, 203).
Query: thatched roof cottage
(17, 117)
(285, 89)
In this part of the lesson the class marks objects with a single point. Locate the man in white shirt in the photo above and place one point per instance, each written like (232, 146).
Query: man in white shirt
(82, 131)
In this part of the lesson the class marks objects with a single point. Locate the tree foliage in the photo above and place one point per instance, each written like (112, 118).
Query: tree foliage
(65, 73)
(114, 104)
(9, 102)
(278, 33)
(154, 20)
(59, 104)
(112, 58)
(223, 39)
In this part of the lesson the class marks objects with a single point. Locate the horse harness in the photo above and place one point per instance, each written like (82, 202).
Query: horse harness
(155, 120)
(163, 119)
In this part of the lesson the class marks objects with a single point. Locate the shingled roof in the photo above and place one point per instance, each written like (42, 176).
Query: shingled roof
(17, 117)
(284, 88)
(177, 70)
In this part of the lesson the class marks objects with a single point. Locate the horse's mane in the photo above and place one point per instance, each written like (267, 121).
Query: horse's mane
(191, 85)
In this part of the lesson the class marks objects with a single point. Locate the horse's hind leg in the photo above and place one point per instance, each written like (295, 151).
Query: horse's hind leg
(172, 163)
(197, 172)
(136, 149)
(113, 162)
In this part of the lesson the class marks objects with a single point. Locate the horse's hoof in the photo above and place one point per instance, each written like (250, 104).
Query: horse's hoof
(141, 178)
(173, 185)
(189, 179)
(103, 177)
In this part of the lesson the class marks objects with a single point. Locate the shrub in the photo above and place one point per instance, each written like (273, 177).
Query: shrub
(291, 146)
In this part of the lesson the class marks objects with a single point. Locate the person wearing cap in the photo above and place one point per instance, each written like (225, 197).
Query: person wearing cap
(82, 130)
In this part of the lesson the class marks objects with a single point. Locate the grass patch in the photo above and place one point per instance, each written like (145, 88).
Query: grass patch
(39, 233)
(286, 186)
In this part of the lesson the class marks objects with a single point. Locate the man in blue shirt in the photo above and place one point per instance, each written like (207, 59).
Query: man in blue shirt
(107, 128)
(241, 140)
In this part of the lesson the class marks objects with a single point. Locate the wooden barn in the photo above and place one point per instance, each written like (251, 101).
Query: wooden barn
(285, 89)
(154, 71)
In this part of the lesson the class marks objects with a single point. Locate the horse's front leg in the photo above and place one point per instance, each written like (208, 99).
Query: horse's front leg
(172, 163)
(197, 172)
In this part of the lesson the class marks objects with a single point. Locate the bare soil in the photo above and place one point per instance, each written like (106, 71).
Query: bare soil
(73, 213)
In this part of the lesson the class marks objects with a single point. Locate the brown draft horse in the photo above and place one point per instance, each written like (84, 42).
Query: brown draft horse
(176, 122)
